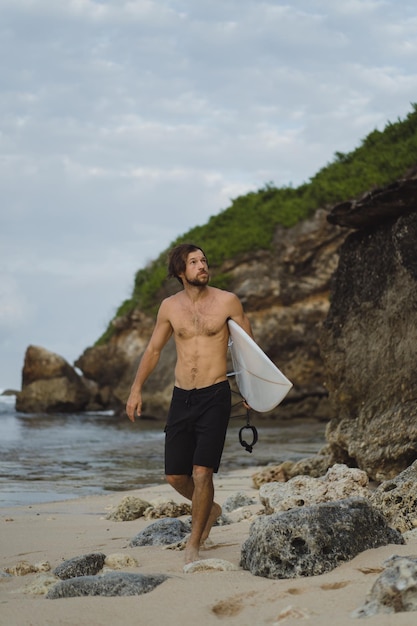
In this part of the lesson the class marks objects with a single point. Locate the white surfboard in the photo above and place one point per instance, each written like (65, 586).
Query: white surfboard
(259, 381)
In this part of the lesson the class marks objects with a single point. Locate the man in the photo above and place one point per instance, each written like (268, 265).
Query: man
(201, 402)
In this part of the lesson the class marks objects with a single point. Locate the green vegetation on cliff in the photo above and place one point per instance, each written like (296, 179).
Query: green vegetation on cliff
(249, 223)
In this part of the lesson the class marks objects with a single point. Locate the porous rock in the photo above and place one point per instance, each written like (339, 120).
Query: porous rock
(314, 539)
(397, 499)
(410, 535)
(395, 589)
(112, 584)
(236, 501)
(167, 509)
(207, 565)
(340, 482)
(40, 585)
(84, 565)
(22, 568)
(314, 466)
(130, 508)
(119, 561)
(271, 473)
(161, 533)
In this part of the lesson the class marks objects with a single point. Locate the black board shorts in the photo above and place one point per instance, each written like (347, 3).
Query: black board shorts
(196, 428)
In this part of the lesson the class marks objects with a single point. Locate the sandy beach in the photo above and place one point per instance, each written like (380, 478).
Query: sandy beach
(58, 531)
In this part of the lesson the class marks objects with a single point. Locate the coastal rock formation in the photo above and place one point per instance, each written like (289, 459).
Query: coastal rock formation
(236, 501)
(285, 293)
(209, 565)
(130, 508)
(49, 383)
(351, 362)
(369, 336)
(22, 568)
(397, 499)
(85, 565)
(340, 482)
(315, 539)
(167, 509)
(314, 466)
(394, 591)
(110, 585)
(162, 533)
(119, 561)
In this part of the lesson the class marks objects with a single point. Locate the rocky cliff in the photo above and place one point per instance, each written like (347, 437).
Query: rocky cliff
(285, 291)
(369, 337)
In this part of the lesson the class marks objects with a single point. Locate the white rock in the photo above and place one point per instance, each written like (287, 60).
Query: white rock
(338, 483)
(205, 565)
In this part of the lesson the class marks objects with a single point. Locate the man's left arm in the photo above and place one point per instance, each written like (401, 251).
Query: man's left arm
(239, 316)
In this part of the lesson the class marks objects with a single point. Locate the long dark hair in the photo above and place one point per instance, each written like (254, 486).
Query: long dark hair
(178, 257)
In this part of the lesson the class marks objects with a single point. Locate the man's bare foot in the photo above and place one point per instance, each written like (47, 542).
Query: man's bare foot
(216, 511)
(191, 554)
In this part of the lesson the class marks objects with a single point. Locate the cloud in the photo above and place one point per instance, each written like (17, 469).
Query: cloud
(125, 123)
(13, 305)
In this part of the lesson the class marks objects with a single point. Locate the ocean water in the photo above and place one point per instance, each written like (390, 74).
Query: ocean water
(50, 457)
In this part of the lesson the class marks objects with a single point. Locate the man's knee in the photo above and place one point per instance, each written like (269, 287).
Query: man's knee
(177, 480)
(202, 474)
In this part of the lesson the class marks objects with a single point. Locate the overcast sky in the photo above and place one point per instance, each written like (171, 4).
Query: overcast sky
(124, 123)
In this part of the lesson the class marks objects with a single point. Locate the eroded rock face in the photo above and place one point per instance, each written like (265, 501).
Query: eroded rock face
(110, 585)
(394, 591)
(315, 539)
(285, 293)
(339, 482)
(49, 383)
(314, 466)
(369, 337)
(397, 499)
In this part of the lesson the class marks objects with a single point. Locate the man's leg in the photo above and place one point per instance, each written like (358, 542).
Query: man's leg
(202, 504)
(199, 489)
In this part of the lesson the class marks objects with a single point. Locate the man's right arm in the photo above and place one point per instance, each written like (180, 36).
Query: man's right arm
(161, 333)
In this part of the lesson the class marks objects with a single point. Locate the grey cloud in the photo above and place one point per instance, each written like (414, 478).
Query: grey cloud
(125, 123)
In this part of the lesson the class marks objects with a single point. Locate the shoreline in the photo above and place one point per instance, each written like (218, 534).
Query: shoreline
(67, 457)
(59, 530)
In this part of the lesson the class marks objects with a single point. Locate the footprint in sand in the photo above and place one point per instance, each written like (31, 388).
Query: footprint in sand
(232, 606)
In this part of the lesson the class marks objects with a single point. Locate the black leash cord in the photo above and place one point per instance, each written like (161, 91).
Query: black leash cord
(248, 446)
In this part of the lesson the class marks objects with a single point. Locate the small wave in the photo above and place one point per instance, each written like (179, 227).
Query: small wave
(10, 400)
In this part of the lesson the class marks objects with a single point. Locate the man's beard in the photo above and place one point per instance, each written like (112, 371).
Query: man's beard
(200, 281)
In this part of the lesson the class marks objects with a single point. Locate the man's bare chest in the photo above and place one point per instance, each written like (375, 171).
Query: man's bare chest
(198, 323)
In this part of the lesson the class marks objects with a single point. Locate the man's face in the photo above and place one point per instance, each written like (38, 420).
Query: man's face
(196, 269)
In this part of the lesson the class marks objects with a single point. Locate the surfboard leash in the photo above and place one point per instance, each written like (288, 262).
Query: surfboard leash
(248, 446)
(248, 426)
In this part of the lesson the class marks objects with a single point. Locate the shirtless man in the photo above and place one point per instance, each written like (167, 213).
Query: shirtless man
(201, 402)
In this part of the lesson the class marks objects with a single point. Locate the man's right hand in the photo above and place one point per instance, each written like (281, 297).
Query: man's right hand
(134, 405)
